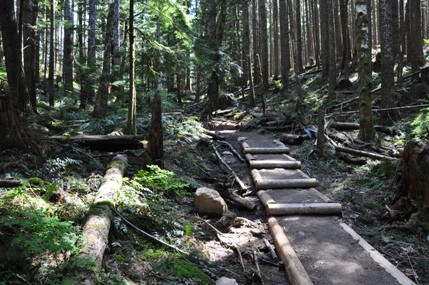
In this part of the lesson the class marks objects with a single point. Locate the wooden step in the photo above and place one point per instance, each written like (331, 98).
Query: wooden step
(272, 209)
(261, 183)
(274, 163)
(264, 150)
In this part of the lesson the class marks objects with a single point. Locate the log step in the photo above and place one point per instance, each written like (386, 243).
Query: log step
(272, 209)
(264, 150)
(295, 270)
(261, 183)
(274, 163)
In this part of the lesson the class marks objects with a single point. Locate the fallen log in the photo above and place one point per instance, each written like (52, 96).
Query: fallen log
(293, 139)
(303, 209)
(233, 196)
(355, 126)
(97, 226)
(296, 273)
(10, 183)
(104, 142)
(362, 153)
(381, 110)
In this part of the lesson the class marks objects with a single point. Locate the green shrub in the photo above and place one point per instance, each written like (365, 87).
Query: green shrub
(159, 179)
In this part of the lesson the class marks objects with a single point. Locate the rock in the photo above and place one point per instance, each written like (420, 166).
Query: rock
(209, 202)
(226, 281)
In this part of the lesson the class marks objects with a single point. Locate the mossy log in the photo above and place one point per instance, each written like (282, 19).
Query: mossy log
(97, 226)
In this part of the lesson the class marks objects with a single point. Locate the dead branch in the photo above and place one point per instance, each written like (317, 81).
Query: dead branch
(149, 235)
(270, 249)
(233, 150)
(241, 183)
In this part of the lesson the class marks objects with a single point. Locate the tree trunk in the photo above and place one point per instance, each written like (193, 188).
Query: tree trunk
(131, 123)
(387, 59)
(91, 49)
(298, 38)
(415, 55)
(285, 47)
(81, 78)
(100, 107)
(332, 57)
(326, 49)
(13, 133)
(263, 29)
(155, 144)
(316, 31)
(276, 57)
(256, 43)
(52, 55)
(216, 32)
(68, 48)
(155, 141)
(346, 56)
(366, 123)
(402, 41)
(30, 38)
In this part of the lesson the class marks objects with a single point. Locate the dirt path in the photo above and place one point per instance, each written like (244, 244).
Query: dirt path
(328, 253)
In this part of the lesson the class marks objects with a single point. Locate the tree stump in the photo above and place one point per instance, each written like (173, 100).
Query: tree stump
(415, 166)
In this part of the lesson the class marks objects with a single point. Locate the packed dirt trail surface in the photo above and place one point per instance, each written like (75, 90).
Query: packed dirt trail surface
(323, 243)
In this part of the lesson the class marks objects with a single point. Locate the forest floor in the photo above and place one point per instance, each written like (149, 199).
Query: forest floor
(68, 176)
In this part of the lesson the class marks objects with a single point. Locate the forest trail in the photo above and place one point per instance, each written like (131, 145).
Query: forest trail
(316, 246)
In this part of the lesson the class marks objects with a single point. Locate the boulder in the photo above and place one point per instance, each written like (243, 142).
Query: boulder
(226, 281)
(209, 202)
